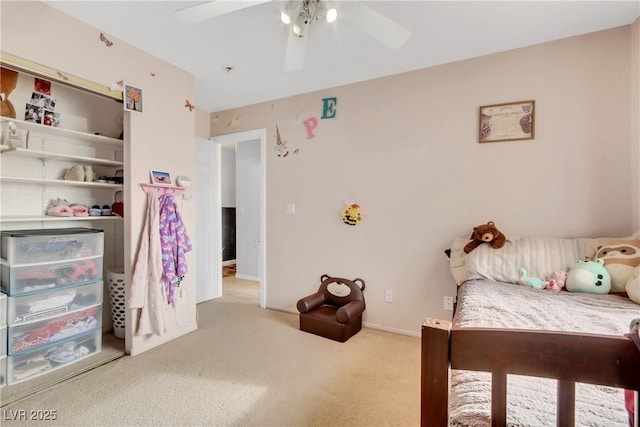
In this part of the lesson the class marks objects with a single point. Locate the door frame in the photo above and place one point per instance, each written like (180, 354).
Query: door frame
(261, 136)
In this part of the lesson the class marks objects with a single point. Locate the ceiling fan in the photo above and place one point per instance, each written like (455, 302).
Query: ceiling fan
(300, 14)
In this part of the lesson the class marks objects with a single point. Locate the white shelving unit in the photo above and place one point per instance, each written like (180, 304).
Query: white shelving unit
(65, 133)
(36, 154)
(41, 162)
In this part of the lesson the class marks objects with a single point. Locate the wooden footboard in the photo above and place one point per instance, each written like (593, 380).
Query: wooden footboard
(569, 358)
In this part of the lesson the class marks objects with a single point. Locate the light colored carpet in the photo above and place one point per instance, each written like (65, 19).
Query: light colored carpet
(244, 366)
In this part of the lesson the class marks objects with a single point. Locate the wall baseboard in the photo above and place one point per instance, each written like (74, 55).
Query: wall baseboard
(229, 262)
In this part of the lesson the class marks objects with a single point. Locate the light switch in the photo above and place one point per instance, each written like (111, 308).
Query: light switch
(290, 209)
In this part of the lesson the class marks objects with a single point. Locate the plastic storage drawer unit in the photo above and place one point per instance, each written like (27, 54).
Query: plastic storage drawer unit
(50, 245)
(3, 310)
(33, 335)
(23, 279)
(32, 364)
(44, 305)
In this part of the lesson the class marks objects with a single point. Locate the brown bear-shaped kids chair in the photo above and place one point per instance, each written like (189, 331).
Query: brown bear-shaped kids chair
(335, 310)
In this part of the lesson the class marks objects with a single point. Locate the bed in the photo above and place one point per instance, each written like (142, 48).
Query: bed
(518, 356)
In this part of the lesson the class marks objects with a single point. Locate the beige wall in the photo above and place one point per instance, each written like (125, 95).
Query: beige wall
(161, 138)
(202, 123)
(635, 121)
(405, 148)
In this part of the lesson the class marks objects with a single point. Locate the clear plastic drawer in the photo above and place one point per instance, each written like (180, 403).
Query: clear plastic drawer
(3, 310)
(24, 279)
(46, 359)
(33, 335)
(3, 371)
(44, 305)
(3, 341)
(50, 245)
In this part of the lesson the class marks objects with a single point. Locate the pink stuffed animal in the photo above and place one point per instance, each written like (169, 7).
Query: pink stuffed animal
(556, 281)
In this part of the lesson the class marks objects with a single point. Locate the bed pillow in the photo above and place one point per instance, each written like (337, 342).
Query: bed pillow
(540, 256)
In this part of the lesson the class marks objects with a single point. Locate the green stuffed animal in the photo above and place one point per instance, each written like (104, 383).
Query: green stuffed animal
(590, 277)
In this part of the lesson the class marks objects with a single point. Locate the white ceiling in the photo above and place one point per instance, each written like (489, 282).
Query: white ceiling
(253, 40)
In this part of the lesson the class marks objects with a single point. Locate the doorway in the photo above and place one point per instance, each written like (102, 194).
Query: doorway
(250, 215)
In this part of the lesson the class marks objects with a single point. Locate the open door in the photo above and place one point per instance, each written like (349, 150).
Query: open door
(254, 137)
(208, 221)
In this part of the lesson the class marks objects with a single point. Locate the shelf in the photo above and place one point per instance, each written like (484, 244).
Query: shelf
(24, 152)
(161, 188)
(48, 218)
(61, 182)
(66, 133)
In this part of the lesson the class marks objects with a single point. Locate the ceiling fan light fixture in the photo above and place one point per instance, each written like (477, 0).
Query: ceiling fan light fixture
(332, 14)
(299, 26)
(290, 10)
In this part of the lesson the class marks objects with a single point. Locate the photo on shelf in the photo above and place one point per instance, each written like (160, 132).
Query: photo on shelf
(132, 99)
(42, 100)
(33, 113)
(158, 177)
(51, 118)
(42, 86)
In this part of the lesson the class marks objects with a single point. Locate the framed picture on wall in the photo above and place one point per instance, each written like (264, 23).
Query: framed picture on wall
(507, 122)
(132, 99)
(159, 177)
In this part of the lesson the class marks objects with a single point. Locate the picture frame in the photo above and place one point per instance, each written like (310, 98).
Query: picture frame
(132, 99)
(159, 177)
(507, 122)
(33, 113)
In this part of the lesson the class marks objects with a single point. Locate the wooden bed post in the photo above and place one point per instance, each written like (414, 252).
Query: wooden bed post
(434, 409)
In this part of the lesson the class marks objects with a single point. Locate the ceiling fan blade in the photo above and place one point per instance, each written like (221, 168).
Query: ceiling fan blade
(211, 9)
(379, 26)
(296, 51)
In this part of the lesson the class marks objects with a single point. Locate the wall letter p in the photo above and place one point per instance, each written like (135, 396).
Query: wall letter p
(310, 124)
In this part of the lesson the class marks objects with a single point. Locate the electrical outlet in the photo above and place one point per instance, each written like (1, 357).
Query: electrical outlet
(448, 303)
(388, 295)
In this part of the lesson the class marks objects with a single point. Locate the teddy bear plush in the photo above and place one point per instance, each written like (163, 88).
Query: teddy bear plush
(485, 233)
(8, 82)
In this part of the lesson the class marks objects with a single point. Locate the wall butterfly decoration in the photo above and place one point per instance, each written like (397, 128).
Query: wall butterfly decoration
(105, 40)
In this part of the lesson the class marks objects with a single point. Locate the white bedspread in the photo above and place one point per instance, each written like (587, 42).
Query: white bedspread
(483, 303)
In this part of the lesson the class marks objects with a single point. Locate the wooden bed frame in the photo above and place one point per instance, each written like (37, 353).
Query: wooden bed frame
(567, 357)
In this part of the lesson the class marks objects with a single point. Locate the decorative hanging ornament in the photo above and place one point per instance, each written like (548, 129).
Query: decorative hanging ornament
(352, 213)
